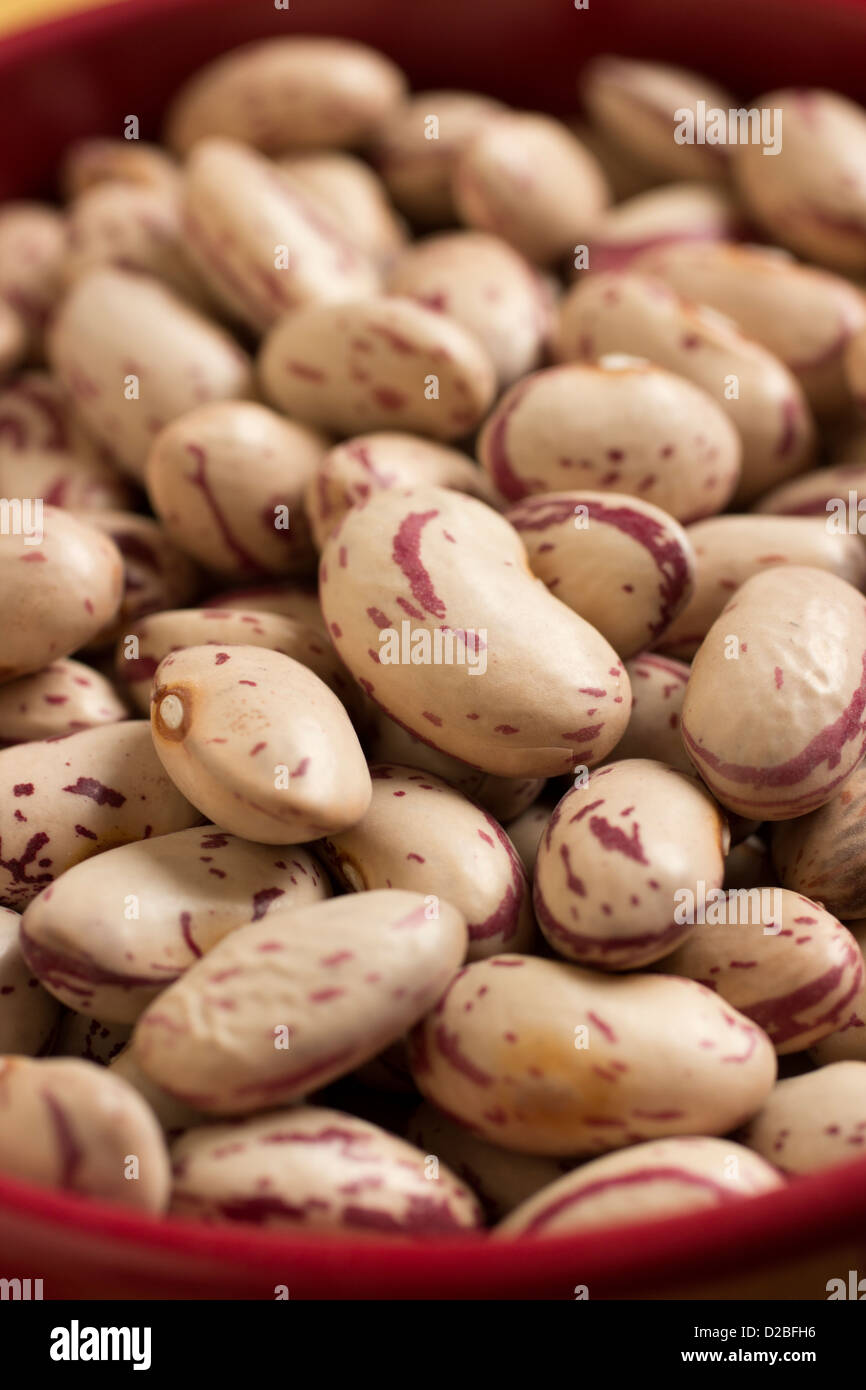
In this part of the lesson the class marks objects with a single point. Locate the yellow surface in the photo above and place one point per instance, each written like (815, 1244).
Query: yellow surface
(19, 14)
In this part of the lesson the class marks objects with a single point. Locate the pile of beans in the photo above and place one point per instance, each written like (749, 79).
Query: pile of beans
(399, 841)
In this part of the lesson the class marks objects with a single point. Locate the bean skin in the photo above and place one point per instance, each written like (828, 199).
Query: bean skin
(813, 1121)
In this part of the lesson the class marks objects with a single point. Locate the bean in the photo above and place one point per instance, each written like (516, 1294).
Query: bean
(823, 853)
(679, 217)
(421, 835)
(821, 492)
(554, 1059)
(28, 1013)
(63, 698)
(848, 1043)
(398, 556)
(67, 799)
(256, 1023)
(258, 743)
(79, 483)
(115, 930)
(157, 574)
(780, 959)
(617, 853)
(13, 339)
(622, 564)
(658, 688)
(638, 314)
(32, 249)
(526, 831)
(90, 1039)
(791, 639)
(96, 160)
(317, 1169)
(618, 425)
(173, 1115)
(810, 1122)
(662, 1178)
(378, 363)
(355, 198)
(71, 1125)
(298, 600)
(37, 416)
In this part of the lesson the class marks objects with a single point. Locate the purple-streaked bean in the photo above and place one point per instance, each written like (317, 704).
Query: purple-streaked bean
(663, 217)
(554, 1059)
(377, 363)
(258, 743)
(622, 564)
(101, 160)
(527, 179)
(773, 714)
(32, 250)
(663, 1178)
(77, 482)
(66, 799)
(631, 313)
(134, 357)
(61, 582)
(658, 687)
(526, 831)
(134, 228)
(502, 797)
(748, 865)
(355, 198)
(286, 94)
(812, 1121)
(90, 1039)
(780, 959)
(731, 549)
(350, 472)
(500, 1180)
(823, 854)
(28, 1013)
(37, 416)
(616, 854)
(313, 1169)
(279, 1008)
(805, 317)
(157, 574)
(264, 244)
(811, 195)
(62, 698)
(435, 563)
(824, 492)
(417, 147)
(71, 1125)
(13, 338)
(481, 282)
(299, 601)
(619, 425)
(159, 634)
(173, 1115)
(637, 106)
(421, 835)
(227, 481)
(115, 931)
(848, 1043)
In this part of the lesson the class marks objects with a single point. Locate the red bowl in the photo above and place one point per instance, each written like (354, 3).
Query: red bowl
(81, 76)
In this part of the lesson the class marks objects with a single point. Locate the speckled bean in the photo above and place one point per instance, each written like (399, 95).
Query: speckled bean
(658, 688)
(527, 179)
(421, 835)
(378, 363)
(395, 561)
(812, 1121)
(619, 425)
(790, 640)
(134, 357)
(77, 482)
(805, 317)
(624, 565)
(98, 160)
(227, 481)
(61, 582)
(28, 1013)
(89, 1039)
(113, 932)
(810, 494)
(823, 854)
(287, 93)
(173, 1115)
(352, 471)
(811, 195)
(663, 1178)
(481, 282)
(639, 314)
(355, 198)
(258, 743)
(157, 574)
(730, 549)
(315, 1169)
(32, 249)
(71, 1125)
(616, 854)
(37, 416)
(525, 833)
(62, 698)
(299, 601)
(554, 1059)
(289, 1029)
(67, 799)
(848, 1043)
(673, 216)
(780, 959)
